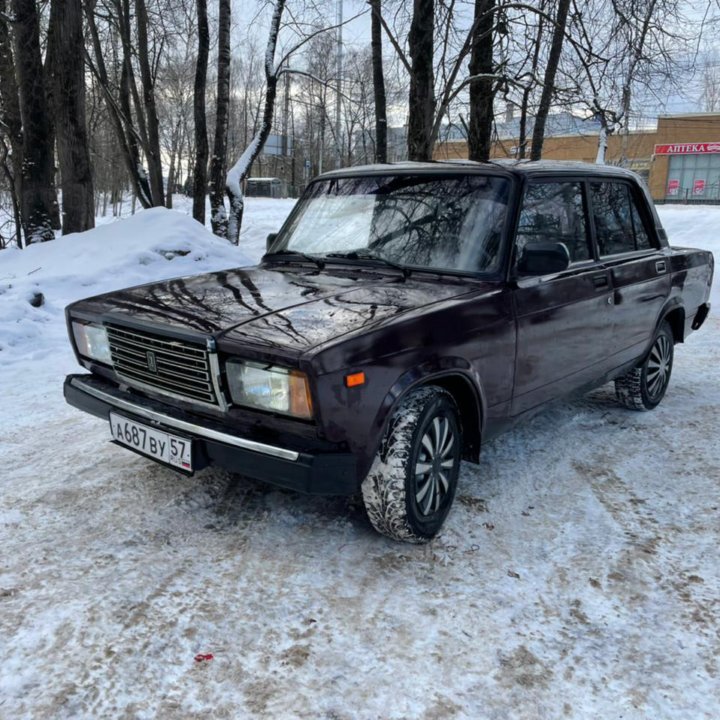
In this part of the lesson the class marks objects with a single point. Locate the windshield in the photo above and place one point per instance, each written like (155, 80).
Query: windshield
(450, 223)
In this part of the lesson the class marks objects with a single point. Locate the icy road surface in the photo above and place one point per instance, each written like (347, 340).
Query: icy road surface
(578, 575)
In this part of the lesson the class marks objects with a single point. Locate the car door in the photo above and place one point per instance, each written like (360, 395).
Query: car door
(563, 319)
(638, 268)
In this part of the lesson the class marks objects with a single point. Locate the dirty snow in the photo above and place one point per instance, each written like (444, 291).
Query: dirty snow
(577, 576)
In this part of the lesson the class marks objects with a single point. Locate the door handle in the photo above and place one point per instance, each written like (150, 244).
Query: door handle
(600, 281)
(660, 266)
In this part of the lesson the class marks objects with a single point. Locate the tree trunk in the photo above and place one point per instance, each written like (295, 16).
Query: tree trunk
(38, 202)
(549, 81)
(525, 102)
(239, 172)
(218, 162)
(200, 174)
(174, 157)
(11, 118)
(152, 150)
(602, 142)
(378, 84)
(482, 93)
(421, 103)
(65, 36)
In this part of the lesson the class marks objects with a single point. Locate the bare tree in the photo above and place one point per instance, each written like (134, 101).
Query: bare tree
(131, 103)
(147, 73)
(11, 138)
(378, 83)
(621, 49)
(710, 88)
(421, 102)
(482, 89)
(65, 36)
(548, 89)
(274, 70)
(201, 141)
(38, 202)
(528, 73)
(239, 172)
(218, 161)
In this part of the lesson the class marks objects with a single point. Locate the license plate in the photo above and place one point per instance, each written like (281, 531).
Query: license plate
(170, 449)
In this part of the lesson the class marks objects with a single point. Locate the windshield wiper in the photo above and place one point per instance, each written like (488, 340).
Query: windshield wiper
(370, 255)
(305, 256)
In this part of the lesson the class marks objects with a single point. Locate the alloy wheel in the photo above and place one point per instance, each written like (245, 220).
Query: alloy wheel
(434, 466)
(659, 365)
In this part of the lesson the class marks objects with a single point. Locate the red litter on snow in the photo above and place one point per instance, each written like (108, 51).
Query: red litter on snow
(203, 658)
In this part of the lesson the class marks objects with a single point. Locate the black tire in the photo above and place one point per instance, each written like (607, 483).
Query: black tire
(411, 484)
(645, 385)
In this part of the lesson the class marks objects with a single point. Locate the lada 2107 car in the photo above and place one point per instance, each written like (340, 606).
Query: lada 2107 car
(403, 315)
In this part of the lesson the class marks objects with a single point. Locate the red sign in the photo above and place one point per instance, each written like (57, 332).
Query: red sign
(688, 148)
(699, 187)
(673, 187)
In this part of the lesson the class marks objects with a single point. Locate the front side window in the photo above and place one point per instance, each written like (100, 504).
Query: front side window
(452, 223)
(618, 224)
(554, 212)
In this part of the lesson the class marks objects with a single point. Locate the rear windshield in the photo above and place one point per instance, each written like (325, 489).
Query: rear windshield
(453, 223)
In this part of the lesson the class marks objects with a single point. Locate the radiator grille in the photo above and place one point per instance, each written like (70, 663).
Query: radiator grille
(171, 366)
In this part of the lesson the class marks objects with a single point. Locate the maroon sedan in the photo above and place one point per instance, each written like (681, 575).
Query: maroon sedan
(403, 315)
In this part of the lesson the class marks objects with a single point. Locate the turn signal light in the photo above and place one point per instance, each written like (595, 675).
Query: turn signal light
(355, 379)
(300, 398)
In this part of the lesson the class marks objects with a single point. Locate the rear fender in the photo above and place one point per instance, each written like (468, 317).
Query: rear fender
(674, 312)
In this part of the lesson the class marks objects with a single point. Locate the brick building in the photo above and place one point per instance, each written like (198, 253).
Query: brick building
(679, 159)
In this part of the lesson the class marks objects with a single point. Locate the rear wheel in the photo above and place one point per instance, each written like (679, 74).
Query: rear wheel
(411, 484)
(645, 385)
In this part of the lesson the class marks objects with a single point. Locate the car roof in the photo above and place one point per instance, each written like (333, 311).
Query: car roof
(461, 167)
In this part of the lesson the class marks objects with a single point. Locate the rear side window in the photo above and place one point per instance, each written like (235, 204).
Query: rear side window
(618, 224)
(554, 212)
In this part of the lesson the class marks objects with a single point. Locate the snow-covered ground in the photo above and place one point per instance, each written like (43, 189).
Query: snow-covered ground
(578, 575)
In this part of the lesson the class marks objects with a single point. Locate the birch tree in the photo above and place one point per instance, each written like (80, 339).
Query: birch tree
(274, 69)
(241, 169)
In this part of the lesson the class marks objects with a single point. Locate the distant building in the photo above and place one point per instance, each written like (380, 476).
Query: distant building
(679, 159)
(271, 187)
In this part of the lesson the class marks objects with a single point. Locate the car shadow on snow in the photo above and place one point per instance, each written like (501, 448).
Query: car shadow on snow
(221, 501)
(227, 501)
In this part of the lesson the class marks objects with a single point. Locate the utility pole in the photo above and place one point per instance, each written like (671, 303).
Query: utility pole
(338, 144)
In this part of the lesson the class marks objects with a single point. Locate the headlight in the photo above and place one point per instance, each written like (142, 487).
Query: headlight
(271, 388)
(92, 341)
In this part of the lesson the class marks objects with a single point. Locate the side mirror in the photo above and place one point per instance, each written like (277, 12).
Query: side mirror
(543, 258)
(270, 240)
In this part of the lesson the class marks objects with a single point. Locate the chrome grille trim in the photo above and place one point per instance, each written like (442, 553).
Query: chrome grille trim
(176, 368)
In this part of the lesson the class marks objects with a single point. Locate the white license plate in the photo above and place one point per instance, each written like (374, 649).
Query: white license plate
(170, 449)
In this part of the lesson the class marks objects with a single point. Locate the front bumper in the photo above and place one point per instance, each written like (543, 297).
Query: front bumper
(216, 444)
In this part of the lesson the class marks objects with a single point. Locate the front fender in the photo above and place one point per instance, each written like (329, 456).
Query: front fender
(439, 371)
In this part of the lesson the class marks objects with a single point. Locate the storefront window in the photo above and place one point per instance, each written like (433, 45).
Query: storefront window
(693, 177)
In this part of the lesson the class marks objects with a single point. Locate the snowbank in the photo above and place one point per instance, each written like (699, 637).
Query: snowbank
(152, 245)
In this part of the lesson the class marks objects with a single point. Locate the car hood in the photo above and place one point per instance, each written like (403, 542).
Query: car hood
(290, 308)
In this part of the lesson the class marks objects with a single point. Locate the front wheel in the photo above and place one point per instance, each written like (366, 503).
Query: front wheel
(645, 385)
(411, 484)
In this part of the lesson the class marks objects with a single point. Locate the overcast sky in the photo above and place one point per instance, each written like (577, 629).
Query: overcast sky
(251, 20)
